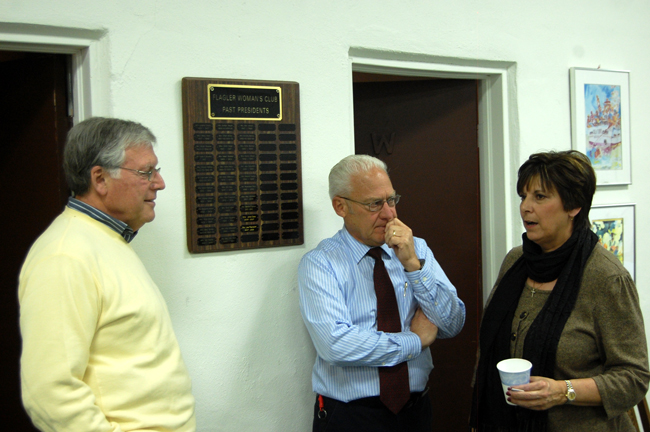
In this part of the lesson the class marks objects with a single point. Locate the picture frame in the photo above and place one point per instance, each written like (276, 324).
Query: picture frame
(615, 226)
(600, 122)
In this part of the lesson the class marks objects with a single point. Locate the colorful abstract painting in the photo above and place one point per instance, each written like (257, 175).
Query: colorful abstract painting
(603, 126)
(610, 235)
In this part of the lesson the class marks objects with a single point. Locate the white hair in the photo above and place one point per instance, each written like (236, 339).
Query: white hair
(341, 174)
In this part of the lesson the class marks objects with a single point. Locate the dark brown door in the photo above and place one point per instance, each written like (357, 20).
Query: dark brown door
(426, 131)
(33, 126)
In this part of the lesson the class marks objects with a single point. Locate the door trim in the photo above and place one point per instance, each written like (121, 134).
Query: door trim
(497, 135)
(90, 60)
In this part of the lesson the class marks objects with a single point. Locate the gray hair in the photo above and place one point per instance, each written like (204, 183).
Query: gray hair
(341, 174)
(103, 142)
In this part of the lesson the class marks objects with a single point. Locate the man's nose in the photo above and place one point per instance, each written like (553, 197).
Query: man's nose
(158, 183)
(386, 211)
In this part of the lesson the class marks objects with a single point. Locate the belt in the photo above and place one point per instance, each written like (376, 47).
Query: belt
(375, 402)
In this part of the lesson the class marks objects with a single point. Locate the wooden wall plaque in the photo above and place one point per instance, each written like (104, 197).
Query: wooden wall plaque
(243, 184)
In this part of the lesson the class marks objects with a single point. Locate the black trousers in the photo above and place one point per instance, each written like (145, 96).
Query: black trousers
(370, 415)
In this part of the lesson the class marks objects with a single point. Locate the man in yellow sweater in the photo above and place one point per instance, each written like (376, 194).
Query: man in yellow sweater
(99, 350)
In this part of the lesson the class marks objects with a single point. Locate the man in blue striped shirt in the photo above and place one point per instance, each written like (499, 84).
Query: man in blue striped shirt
(339, 306)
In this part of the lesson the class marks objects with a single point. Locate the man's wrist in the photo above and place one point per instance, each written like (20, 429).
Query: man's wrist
(415, 267)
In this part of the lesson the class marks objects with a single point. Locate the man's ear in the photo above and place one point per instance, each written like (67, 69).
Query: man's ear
(573, 213)
(99, 180)
(340, 206)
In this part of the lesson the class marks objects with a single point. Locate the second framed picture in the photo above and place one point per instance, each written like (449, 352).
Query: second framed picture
(600, 122)
(614, 226)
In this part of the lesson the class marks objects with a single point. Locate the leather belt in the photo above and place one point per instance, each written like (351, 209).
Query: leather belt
(374, 402)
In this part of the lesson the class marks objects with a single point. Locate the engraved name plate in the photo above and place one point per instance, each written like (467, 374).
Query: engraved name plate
(242, 164)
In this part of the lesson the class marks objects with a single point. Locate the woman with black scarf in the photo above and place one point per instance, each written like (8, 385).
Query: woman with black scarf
(566, 304)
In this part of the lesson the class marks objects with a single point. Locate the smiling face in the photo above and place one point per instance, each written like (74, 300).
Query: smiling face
(546, 221)
(365, 226)
(130, 198)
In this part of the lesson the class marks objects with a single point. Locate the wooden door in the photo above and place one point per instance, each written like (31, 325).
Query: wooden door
(426, 131)
(33, 126)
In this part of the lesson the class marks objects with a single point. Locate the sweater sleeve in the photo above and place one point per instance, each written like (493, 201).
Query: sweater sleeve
(59, 311)
(619, 321)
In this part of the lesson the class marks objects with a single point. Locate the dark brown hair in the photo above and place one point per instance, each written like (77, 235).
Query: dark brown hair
(569, 173)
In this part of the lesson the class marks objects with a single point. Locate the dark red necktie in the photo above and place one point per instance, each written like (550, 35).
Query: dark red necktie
(394, 389)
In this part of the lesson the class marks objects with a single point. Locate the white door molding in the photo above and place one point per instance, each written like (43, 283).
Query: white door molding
(498, 131)
(90, 61)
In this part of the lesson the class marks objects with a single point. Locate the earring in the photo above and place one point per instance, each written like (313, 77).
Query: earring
(570, 218)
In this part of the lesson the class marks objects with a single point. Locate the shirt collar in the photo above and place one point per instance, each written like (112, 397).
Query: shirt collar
(358, 249)
(115, 224)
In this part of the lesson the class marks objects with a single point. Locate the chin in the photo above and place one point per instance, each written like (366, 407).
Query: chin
(532, 238)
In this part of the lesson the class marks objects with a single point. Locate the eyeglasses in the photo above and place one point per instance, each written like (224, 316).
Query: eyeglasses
(375, 206)
(149, 175)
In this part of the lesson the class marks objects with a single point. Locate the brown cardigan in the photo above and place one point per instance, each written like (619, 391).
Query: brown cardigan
(603, 339)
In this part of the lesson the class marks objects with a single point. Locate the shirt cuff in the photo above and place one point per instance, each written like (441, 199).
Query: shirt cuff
(411, 345)
(419, 279)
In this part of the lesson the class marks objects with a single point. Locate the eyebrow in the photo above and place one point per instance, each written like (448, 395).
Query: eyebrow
(149, 167)
(382, 199)
(541, 190)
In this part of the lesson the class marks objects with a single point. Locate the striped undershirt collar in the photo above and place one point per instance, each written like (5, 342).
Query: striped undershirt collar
(116, 225)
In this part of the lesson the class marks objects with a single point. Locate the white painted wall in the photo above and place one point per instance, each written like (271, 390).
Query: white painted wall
(236, 314)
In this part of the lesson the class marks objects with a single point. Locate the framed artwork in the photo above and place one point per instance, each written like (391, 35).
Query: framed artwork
(600, 122)
(614, 225)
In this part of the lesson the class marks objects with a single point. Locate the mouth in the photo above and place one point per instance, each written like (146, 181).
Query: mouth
(530, 224)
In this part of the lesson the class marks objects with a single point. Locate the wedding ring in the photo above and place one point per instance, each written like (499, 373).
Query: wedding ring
(393, 232)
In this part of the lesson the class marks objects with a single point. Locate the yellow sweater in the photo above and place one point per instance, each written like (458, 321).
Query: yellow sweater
(99, 350)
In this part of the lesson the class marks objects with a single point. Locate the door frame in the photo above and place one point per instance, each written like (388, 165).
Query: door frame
(90, 61)
(497, 136)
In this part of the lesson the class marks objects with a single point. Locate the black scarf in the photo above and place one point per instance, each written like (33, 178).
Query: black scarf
(489, 409)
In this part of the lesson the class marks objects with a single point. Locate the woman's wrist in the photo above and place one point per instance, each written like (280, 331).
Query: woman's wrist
(570, 394)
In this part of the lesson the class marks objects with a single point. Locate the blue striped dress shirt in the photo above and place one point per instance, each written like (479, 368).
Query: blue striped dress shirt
(339, 308)
(115, 224)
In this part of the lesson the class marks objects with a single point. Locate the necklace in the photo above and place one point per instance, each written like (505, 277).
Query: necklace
(534, 289)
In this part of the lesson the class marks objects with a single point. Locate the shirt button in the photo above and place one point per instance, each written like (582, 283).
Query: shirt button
(424, 279)
(435, 303)
(523, 315)
(513, 336)
(409, 356)
(417, 281)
